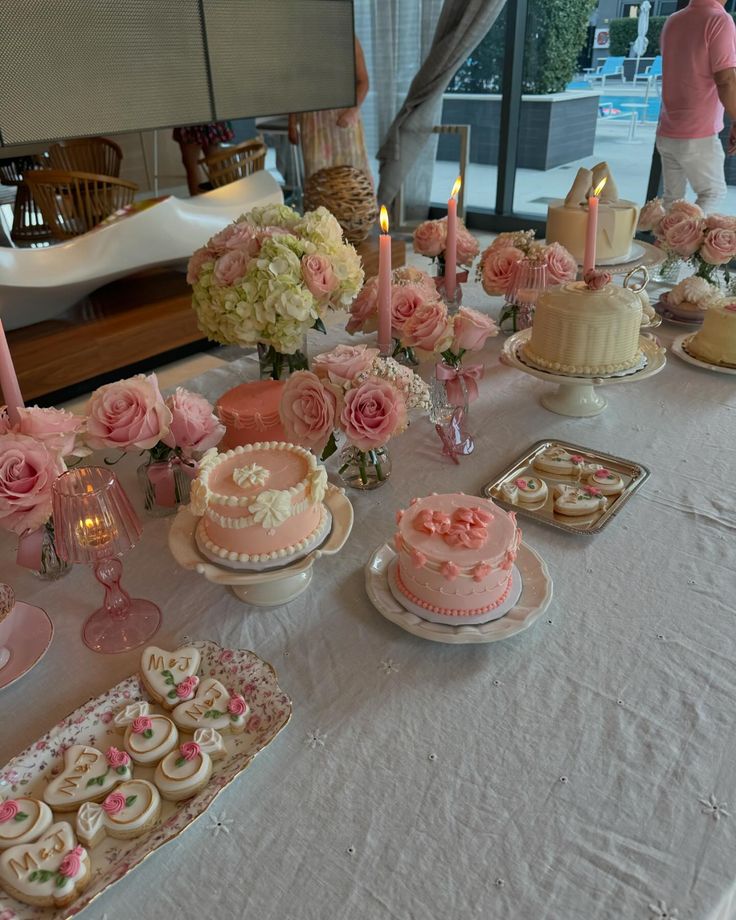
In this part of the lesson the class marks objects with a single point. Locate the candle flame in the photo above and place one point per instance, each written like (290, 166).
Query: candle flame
(384, 219)
(456, 187)
(599, 188)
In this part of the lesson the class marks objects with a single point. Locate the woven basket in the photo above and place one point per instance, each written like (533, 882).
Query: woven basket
(348, 194)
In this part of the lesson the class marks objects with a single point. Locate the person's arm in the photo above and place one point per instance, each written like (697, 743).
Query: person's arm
(362, 85)
(726, 84)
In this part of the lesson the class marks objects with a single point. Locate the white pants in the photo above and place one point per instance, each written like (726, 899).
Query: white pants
(698, 161)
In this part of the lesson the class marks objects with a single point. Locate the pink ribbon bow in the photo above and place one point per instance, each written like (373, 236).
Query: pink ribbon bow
(453, 378)
(161, 477)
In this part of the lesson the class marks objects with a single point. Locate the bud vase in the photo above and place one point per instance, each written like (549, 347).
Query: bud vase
(449, 406)
(165, 485)
(365, 469)
(275, 365)
(51, 567)
(453, 303)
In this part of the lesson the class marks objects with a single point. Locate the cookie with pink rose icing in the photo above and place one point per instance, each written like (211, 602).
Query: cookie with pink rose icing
(455, 555)
(575, 501)
(22, 820)
(170, 677)
(184, 772)
(525, 490)
(607, 481)
(88, 775)
(50, 872)
(128, 811)
(559, 461)
(148, 736)
(213, 706)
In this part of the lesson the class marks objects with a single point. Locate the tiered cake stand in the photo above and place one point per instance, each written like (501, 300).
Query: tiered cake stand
(272, 587)
(576, 396)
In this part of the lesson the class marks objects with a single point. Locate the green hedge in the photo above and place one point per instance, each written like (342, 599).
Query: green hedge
(556, 32)
(623, 33)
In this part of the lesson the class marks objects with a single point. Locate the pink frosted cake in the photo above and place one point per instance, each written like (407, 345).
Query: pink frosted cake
(260, 505)
(250, 413)
(455, 556)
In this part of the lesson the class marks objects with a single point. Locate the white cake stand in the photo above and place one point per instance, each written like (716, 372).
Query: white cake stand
(273, 587)
(576, 396)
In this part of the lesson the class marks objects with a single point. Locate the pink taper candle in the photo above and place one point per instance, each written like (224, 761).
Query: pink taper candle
(9, 381)
(384, 286)
(591, 230)
(451, 244)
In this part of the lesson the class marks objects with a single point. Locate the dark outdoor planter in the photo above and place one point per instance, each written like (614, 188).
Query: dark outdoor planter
(554, 129)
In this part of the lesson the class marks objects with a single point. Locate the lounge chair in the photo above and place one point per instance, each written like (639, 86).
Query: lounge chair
(652, 76)
(611, 67)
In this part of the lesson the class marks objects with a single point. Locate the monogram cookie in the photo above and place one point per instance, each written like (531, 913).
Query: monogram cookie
(47, 873)
(88, 776)
(170, 677)
(213, 706)
(184, 772)
(526, 490)
(129, 811)
(148, 736)
(22, 820)
(559, 461)
(576, 502)
(607, 481)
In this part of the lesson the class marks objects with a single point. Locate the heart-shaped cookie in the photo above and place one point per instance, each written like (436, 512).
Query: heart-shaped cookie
(607, 481)
(49, 872)
(182, 773)
(213, 706)
(558, 460)
(576, 502)
(170, 677)
(88, 776)
(129, 811)
(525, 490)
(148, 736)
(22, 820)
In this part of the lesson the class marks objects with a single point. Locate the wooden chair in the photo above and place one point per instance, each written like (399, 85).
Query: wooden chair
(231, 163)
(96, 155)
(73, 203)
(29, 225)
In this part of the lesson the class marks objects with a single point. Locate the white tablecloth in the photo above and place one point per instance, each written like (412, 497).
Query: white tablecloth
(584, 769)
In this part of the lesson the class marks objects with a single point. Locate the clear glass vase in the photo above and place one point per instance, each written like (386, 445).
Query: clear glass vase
(449, 406)
(404, 355)
(51, 566)
(165, 485)
(365, 469)
(274, 365)
(454, 302)
(528, 281)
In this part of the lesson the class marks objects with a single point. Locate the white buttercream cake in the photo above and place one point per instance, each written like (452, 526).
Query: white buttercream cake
(715, 342)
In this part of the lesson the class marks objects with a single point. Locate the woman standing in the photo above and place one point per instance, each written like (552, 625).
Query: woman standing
(200, 140)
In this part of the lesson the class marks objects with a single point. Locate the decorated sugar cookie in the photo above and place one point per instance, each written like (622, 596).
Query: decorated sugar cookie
(22, 820)
(129, 811)
(559, 461)
(182, 773)
(148, 736)
(525, 490)
(213, 706)
(170, 677)
(47, 873)
(607, 481)
(88, 776)
(575, 502)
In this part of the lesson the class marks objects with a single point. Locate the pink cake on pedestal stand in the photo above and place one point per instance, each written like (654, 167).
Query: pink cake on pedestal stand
(455, 561)
(250, 413)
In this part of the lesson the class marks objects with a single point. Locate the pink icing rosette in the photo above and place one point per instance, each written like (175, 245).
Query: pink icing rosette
(592, 491)
(187, 687)
(432, 522)
(71, 864)
(236, 705)
(116, 757)
(596, 279)
(114, 803)
(480, 571)
(189, 750)
(8, 810)
(450, 570)
(141, 724)
(469, 537)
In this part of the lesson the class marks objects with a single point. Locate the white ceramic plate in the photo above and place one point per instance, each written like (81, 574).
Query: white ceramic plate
(536, 594)
(26, 633)
(91, 723)
(679, 347)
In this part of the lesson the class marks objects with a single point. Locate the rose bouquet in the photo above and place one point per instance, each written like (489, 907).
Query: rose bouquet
(132, 415)
(354, 392)
(430, 239)
(686, 233)
(271, 276)
(498, 262)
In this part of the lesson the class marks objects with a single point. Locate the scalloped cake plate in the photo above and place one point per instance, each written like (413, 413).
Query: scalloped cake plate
(679, 347)
(536, 595)
(91, 723)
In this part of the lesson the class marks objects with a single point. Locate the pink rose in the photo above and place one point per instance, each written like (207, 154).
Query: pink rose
(187, 687)
(253, 724)
(27, 471)
(469, 537)
(8, 810)
(194, 427)
(595, 279)
(129, 414)
(561, 266)
(71, 863)
(5, 425)
(116, 757)
(231, 267)
(364, 309)
(432, 522)
(8, 914)
(318, 276)
(496, 266)
(467, 245)
(57, 428)
(235, 236)
(236, 705)
(480, 571)
(651, 215)
(670, 220)
(189, 750)
(719, 246)
(114, 803)
(471, 330)
(430, 238)
(720, 222)
(686, 237)
(308, 410)
(372, 413)
(197, 261)
(405, 299)
(592, 491)
(429, 328)
(686, 209)
(141, 724)
(343, 364)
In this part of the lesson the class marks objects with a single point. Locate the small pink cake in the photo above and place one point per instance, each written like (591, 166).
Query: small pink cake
(250, 413)
(455, 554)
(260, 504)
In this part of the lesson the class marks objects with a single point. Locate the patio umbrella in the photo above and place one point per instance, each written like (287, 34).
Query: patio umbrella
(641, 42)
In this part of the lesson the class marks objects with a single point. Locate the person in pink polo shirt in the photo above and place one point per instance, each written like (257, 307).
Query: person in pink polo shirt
(698, 81)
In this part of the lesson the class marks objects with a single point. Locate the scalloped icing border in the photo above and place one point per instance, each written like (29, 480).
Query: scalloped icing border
(445, 611)
(581, 368)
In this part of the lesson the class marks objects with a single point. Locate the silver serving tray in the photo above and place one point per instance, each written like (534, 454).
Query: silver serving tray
(633, 475)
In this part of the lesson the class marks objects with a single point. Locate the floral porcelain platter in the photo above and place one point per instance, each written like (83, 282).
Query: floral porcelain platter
(92, 724)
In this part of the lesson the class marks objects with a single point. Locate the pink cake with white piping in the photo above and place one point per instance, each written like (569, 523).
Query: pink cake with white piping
(455, 554)
(260, 504)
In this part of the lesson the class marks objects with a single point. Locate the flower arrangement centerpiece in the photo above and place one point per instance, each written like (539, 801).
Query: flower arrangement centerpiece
(687, 234)
(132, 415)
(430, 240)
(33, 453)
(353, 392)
(269, 277)
(499, 260)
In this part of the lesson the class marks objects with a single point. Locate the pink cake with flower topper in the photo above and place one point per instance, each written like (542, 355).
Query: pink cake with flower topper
(250, 413)
(455, 554)
(260, 504)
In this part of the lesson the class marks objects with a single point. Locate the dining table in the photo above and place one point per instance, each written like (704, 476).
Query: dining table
(582, 769)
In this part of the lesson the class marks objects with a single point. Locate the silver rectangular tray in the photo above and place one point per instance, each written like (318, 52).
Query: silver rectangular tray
(633, 475)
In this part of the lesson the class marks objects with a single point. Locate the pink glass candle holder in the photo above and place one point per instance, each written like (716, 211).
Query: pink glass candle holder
(94, 524)
(528, 282)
